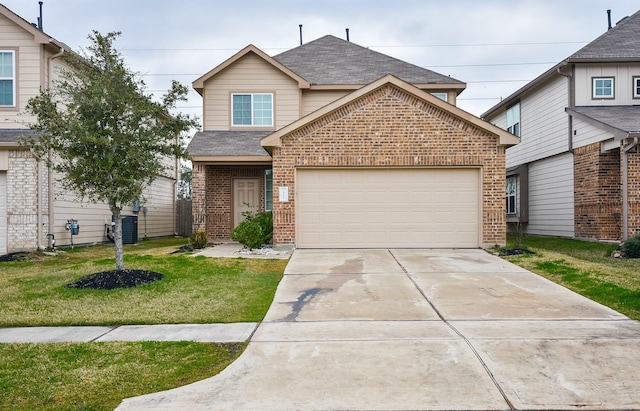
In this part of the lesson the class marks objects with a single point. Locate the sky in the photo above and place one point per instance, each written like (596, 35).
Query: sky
(495, 46)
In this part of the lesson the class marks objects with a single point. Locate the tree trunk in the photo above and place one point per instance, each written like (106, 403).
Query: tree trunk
(117, 237)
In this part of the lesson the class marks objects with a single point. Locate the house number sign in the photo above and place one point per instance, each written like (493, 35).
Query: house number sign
(283, 194)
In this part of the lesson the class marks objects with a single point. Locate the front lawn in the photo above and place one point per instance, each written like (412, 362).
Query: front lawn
(586, 268)
(97, 376)
(194, 289)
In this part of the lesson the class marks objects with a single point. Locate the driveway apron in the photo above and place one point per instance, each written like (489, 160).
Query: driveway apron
(422, 330)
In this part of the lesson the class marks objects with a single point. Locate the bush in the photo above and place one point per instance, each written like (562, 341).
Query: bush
(631, 247)
(255, 230)
(198, 239)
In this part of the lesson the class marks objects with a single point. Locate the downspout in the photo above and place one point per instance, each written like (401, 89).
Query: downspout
(49, 169)
(38, 200)
(571, 102)
(625, 187)
(175, 192)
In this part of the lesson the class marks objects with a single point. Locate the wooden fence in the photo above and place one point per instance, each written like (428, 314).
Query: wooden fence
(184, 220)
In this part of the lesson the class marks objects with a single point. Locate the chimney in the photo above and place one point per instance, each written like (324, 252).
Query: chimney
(609, 19)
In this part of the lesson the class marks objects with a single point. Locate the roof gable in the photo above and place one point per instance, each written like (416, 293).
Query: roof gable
(38, 35)
(333, 61)
(198, 84)
(504, 137)
(619, 43)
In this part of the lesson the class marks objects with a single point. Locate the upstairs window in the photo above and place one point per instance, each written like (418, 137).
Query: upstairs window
(513, 119)
(7, 78)
(252, 109)
(441, 96)
(636, 87)
(602, 87)
(511, 195)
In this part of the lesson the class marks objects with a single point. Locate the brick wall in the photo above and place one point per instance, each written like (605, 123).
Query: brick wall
(212, 196)
(22, 201)
(385, 128)
(634, 191)
(598, 207)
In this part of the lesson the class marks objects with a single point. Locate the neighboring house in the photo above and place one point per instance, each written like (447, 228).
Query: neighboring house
(349, 148)
(31, 203)
(576, 172)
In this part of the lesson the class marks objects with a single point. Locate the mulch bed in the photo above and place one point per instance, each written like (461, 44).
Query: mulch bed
(109, 280)
(14, 257)
(516, 251)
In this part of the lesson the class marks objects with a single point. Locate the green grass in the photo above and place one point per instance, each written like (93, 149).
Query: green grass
(194, 289)
(586, 268)
(97, 376)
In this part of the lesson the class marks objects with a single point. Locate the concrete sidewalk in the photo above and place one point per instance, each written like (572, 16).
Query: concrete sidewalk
(422, 330)
(235, 332)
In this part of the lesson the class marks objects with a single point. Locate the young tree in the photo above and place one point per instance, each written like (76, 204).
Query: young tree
(105, 135)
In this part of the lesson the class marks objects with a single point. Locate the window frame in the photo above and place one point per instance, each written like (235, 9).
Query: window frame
(512, 196)
(13, 79)
(635, 83)
(514, 128)
(444, 96)
(253, 116)
(268, 189)
(594, 88)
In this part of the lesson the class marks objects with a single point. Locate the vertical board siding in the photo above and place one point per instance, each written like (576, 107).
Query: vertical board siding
(551, 209)
(249, 74)
(543, 122)
(623, 74)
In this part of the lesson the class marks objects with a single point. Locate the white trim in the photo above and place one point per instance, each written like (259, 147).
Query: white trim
(594, 88)
(12, 78)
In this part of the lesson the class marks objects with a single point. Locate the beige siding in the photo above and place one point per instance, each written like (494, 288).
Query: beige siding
(28, 70)
(249, 74)
(543, 123)
(551, 209)
(623, 89)
(314, 99)
(585, 134)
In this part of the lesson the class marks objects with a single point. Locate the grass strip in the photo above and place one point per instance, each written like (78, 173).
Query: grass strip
(98, 376)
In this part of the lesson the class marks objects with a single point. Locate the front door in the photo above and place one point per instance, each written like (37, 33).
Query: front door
(246, 197)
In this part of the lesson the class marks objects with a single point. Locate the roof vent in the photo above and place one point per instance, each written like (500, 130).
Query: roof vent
(347, 30)
(609, 19)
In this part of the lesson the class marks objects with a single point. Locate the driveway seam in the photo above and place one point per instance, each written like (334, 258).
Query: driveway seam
(469, 344)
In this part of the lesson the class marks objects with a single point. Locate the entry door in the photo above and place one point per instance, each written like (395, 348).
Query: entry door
(245, 191)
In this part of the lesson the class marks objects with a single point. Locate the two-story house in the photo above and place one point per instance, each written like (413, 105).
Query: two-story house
(576, 172)
(33, 208)
(349, 148)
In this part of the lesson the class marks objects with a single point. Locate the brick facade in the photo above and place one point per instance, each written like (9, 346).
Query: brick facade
(212, 196)
(22, 201)
(389, 127)
(597, 193)
(633, 178)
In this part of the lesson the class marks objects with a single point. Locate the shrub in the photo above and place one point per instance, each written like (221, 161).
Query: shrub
(198, 239)
(631, 247)
(255, 230)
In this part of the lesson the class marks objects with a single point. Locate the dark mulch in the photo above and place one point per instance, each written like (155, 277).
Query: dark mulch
(183, 249)
(515, 251)
(20, 256)
(109, 280)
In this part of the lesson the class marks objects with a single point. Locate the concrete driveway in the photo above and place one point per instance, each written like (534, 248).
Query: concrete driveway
(422, 330)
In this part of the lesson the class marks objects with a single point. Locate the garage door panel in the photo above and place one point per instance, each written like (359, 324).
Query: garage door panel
(388, 208)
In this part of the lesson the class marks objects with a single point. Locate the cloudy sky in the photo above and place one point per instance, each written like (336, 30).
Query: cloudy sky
(495, 46)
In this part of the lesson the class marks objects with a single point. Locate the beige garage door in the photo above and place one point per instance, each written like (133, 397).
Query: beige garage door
(387, 208)
(3, 212)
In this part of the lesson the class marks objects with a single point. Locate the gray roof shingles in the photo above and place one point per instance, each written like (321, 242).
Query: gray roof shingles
(333, 61)
(228, 143)
(623, 118)
(619, 43)
(10, 135)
